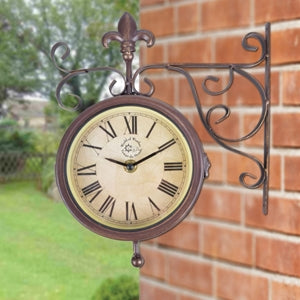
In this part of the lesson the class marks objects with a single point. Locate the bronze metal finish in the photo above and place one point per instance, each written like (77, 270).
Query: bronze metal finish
(127, 35)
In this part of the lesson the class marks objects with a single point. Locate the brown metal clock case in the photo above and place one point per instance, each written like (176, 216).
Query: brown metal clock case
(200, 165)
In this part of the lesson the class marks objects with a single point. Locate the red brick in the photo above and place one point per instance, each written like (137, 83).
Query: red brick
(280, 256)
(190, 273)
(186, 297)
(285, 46)
(228, 244)
(250, 122)
(149, 291)
(159, 21)
(153, 55)
(230, 50)
(285, 129)
(235, 285)
(291, 173)
(194, 51)
(189, 233)
(155, 263)
(144, 3)
(291, 87)
(281, 290)
(188, 18)
(283, 214)
(276, 10)
(219, 204)
(164, 89)
(225, 13)
(275, 172)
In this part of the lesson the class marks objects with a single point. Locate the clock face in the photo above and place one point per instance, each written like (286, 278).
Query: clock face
(128, 169)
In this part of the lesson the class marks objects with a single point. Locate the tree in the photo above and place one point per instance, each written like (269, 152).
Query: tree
(28, 30)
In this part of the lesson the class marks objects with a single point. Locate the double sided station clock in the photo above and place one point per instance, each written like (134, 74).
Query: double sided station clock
(130, 168)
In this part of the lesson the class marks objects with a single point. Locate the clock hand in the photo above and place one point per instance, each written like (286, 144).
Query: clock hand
(116, 162)
(131, 164)
(160, 149)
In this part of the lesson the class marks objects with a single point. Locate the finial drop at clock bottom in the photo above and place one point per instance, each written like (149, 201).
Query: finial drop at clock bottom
(137, 259)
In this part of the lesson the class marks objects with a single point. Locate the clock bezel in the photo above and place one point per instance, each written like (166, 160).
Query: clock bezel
(197, 153)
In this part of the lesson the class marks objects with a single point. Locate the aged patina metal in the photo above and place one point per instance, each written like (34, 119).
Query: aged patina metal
(127, 35)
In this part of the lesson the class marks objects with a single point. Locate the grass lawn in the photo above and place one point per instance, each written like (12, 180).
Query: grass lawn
(46, 254)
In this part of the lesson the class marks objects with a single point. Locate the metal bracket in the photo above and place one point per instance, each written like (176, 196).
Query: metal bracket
(127, 35)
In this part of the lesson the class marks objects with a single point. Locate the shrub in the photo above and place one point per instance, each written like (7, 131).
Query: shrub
(15, 139)
(120, 288)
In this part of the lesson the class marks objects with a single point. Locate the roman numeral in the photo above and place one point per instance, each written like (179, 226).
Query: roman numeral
(94, 197)
(108, 204)
(154, 207)
(93, 187)
(110, 131)
(173, 166)
(168, 188)
(88, 170)
(131, 124)
(149, 132)
(167, 145)
(130, 211)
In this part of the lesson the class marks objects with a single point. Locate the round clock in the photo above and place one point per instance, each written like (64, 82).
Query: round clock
(130, 168)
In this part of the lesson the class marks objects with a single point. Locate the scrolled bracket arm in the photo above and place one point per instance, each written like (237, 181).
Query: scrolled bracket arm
(206, 118)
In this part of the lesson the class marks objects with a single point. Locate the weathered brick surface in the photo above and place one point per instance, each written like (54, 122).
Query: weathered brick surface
(190, 274)
(235, 285)
(219, 204)
(276, 10)
(287, 52)
(290, 87)
(279, 256)
(185, 236)
(228, 244)
(151, 291)
(227, 249)
(188, 18)
(285, 291)
(285, 130)
(283, 215)
(219, 14)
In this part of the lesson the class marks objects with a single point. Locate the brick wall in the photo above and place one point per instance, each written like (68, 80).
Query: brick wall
(226, 248)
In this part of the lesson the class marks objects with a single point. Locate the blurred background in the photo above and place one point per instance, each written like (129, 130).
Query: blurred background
(44, 252)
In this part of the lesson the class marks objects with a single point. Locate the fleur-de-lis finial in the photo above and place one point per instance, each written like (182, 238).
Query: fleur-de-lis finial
(127, 35)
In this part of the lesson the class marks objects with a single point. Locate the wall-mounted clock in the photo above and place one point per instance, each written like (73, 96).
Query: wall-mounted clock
(130, 167)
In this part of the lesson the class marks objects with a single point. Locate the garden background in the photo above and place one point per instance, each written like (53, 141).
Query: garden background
(44, 252)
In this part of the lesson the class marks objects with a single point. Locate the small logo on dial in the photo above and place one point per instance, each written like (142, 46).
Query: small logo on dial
(131, 147)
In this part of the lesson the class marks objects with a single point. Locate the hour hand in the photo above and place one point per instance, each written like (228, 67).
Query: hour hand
(116, 162)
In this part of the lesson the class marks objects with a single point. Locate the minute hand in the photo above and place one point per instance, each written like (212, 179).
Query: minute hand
(160, 149)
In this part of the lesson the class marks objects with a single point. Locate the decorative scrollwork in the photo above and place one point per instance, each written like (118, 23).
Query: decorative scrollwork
(264, 93)
(127, 35)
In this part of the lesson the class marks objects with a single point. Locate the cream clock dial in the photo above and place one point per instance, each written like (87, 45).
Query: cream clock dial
(130, 168)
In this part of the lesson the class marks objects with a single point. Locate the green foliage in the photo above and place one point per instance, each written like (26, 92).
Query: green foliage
(15, 139)
(47, 174)
(28, 30)
(123, 287)
(47, 143)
